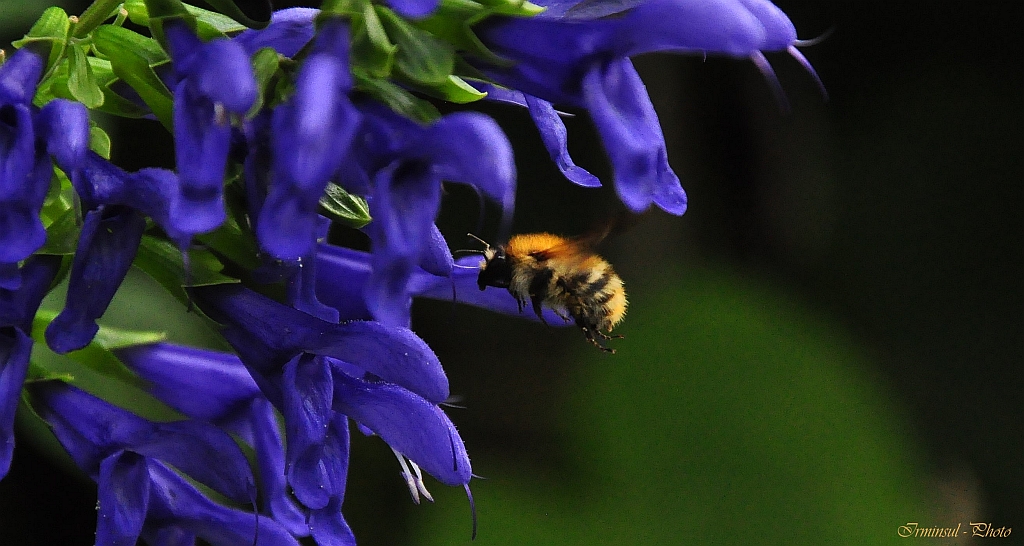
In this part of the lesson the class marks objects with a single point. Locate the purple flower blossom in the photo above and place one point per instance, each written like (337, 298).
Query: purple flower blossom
(17, 308)
(311, 134)
(288, 32)
(215, 79)
(405, 164)
(130, 459)
(315, 372)
(28, 136)
(106, 248)
(216, 387)
(582, 60)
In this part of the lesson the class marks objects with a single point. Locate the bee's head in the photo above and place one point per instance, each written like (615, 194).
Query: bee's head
(495, 269)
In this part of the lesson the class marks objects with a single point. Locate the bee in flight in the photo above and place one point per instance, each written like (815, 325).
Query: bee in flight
(561, 273)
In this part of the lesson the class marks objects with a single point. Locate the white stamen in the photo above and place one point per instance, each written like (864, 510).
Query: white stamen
(419, 481)
(413, 478)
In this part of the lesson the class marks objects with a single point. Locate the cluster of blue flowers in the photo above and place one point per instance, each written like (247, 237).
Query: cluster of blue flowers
(321, 116)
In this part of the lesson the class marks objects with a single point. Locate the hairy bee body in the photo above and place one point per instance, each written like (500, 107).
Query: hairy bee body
(562, 274)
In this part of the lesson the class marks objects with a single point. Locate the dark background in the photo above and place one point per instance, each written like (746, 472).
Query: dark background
(888, 217)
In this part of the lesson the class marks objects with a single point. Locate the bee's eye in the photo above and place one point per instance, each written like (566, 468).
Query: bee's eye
(496, 272)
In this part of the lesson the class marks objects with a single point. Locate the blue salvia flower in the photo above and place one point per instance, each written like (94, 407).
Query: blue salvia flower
(115, 202)
(577, 55)
(310, 137)
(17, 308)
(140, 495)
(106, 249)
(403, 164)
(28, 137)
(316, 373)
(215, 79)
(216, 387)
(288, 32)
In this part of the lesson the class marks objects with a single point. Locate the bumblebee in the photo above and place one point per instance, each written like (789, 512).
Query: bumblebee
(561, 273)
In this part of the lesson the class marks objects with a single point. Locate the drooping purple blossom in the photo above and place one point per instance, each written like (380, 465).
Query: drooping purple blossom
(343, 272)
(214, 80)
(288, 32)
(140, 495)
(310, 135)
(17, 308)
(315, 371)
(578, 56)
(28, 137)
(106, 249)
(216, 387)
(404, 164)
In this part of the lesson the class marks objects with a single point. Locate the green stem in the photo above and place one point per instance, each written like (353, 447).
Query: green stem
(94, 15)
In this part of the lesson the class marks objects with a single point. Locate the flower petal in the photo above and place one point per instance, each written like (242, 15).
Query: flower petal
(288, 32)
(328, 526)
(205, 453)
(106, 248)
(19, 76)
(202, 384)
(555, 138)
(15, 350)
(175, 500)
(625, 117)
(267, 334)
(123, 498)
(411, 425)
(267, 442)
(18, 306)
(413, 9)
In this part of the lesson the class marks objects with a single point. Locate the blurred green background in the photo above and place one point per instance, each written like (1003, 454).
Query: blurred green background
(828, 345)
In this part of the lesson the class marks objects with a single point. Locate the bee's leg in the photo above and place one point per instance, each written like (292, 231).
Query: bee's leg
(608, 336)
(564, 317)
(536, 300)
(590, 332)
(521, 302)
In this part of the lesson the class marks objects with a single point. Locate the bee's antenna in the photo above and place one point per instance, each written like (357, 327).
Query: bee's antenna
(478, 239)
(467, 251)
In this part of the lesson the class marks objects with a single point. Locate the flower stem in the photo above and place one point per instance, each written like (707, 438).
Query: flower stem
(94, 15)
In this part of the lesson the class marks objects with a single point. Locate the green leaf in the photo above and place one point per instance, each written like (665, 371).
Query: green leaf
(113, 103)
(453, 21)
(397, 98)
(81, 82)
(265, 64)
(60, 216)
(421, 56)
(235, 244)
(209, 24)
(258, 15)
(372, 50)
(62, 235)
(517, 8)
(454, 89)
(60, 198)
(341, 8)
(98, 355)
(132, 57)
(162, 261)
(99, 141)
(343, 207)
(52, 26)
